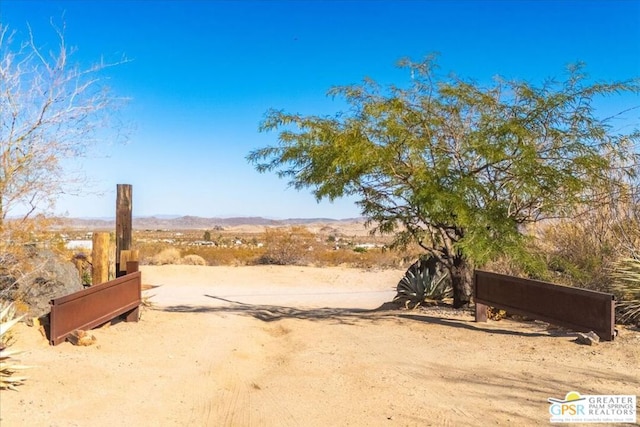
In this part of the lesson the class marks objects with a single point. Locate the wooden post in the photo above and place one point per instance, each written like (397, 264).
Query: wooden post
(123, 224)
(481, 312)
(100, 258)
(132, 267)
(126, 256)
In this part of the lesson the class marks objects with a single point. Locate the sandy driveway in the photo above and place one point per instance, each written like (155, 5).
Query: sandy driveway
(293, 346)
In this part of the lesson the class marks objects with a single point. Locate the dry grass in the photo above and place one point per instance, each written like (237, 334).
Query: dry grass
(319, 256)
(193, 260)
(278, 245)
(166, 256)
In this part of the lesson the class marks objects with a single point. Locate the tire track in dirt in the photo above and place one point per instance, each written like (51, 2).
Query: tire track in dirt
(202, 407)
(233, 388)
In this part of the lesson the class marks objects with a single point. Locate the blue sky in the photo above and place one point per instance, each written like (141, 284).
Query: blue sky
(203, 73)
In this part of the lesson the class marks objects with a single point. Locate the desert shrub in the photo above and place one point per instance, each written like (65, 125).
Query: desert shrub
(505, 265)
(193, 260)
(626, 286)
(18, 242)
(287, 246)
(230, 255)
(256, 249)
(372, 258)
(584, 249)
(581, 252)
(148, 250)
(167, 256)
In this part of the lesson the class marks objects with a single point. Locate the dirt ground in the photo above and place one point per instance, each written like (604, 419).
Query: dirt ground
(298, 346)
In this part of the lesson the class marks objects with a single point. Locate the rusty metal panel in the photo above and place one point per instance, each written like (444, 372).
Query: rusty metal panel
(574, 308)
(94, 306)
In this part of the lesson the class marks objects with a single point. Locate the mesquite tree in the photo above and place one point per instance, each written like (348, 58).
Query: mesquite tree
(456, 167)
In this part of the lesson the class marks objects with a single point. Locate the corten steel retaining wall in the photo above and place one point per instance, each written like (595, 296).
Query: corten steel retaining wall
(94, 306)
(577, 309)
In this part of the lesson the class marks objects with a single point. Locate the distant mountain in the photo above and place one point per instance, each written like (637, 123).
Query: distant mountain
(169, 222)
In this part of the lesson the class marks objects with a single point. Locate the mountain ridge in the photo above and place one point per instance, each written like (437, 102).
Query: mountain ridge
(186, 222)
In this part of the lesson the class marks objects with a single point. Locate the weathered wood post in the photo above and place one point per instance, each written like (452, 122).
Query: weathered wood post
(99, 258)
(127, 256)
(124, 221)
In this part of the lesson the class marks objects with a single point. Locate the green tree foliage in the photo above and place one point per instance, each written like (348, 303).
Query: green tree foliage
(454, 166)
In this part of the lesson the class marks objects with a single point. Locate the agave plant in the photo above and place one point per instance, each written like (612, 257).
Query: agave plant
(8, 365)
(421, 282)
(626, 285)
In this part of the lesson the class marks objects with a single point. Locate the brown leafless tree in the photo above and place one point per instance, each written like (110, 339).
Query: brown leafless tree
(51, 110)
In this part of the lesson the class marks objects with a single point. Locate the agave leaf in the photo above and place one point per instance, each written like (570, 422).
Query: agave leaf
(6, 353)
(20, 367)
(4, 327)
(7, 371)
(7, 386)
(12, 380)
(5, 311)
(4, 366)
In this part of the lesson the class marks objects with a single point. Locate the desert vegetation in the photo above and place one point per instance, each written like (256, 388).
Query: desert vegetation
(9, 366)
(594, 250)
(53, 110)
(458, 168)
(285, 245)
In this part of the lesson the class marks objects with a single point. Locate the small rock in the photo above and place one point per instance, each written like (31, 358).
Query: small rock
(590, 338)
(82, 338)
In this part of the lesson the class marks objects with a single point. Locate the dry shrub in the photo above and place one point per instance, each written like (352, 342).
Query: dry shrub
(230, 255)
(18, 241)
(583, 250)
(507, 266)
(167, 256)
(580, 252)
(287, 246)
(147, 250)
(193, 260)
(372, 258)
(626, 286)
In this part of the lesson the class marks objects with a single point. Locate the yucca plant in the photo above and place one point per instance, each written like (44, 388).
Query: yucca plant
(626, 286)
(421, 282)
(8, 365)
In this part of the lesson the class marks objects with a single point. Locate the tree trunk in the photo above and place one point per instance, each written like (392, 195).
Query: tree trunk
(462, 281)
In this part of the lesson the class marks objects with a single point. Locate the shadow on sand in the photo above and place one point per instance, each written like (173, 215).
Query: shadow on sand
(270, 313)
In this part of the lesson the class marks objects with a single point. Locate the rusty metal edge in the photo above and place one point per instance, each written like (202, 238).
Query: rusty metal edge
(94, 289)
(605, 335)
(62, 336)
(564, 288)
(56, 337)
